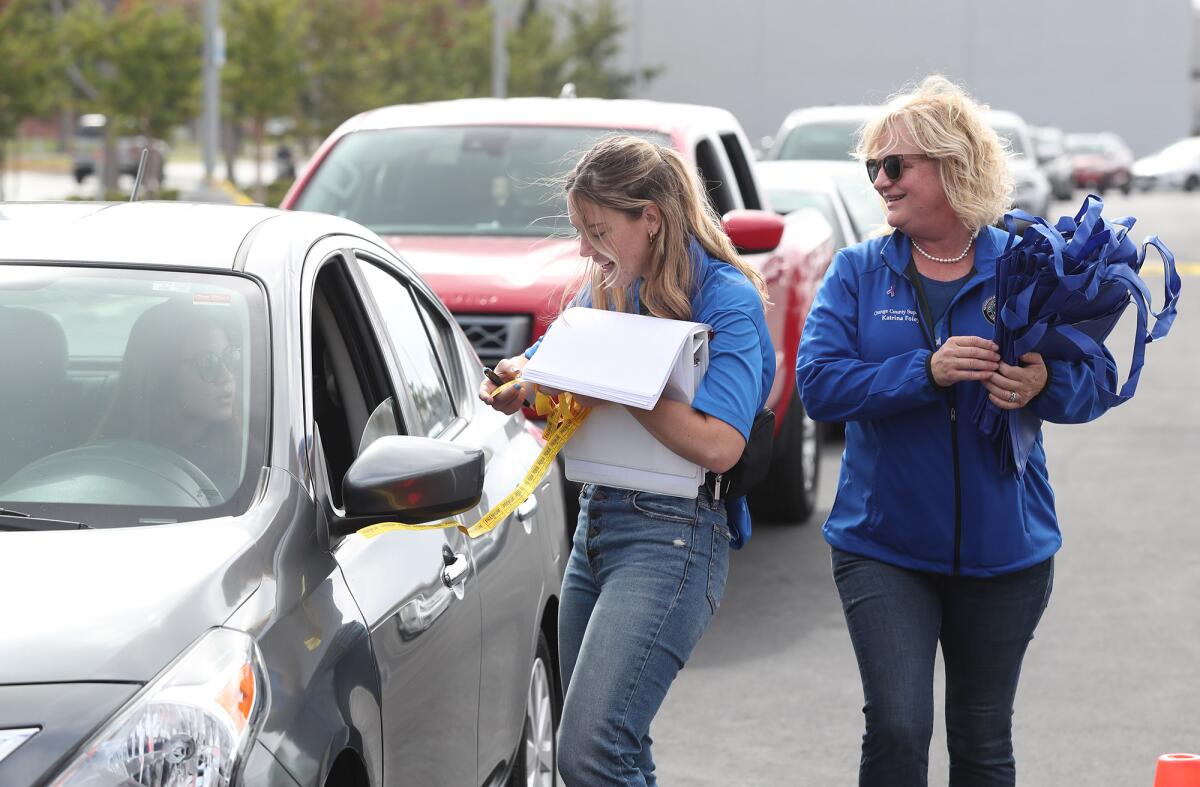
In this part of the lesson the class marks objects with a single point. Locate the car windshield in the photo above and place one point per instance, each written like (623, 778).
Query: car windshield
(456, 180)
(129, 397)
(786, 200)
(827, 140)
(862, 202)
(1012, 139)
(1087, 147)
(1048, 145)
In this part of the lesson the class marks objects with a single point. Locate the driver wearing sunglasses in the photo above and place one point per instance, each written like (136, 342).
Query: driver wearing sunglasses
(180, 388)
(933, 542)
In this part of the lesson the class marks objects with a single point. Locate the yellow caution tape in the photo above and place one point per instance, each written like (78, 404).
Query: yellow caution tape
(563, 417)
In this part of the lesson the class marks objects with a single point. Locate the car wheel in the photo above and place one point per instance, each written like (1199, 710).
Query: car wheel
(536, 763)
(789, 492)
(1192, 183)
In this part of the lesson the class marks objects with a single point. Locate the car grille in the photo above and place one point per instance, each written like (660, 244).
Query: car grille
(496, 336)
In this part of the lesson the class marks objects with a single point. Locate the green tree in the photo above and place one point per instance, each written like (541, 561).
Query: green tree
(262, 78)
(591, 43)
(535, 59)
(143, 63)
(541, 61)
(432, 49)
(30, 68)
(338, 78)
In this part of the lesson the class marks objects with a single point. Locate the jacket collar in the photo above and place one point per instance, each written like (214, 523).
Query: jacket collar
(897, 249)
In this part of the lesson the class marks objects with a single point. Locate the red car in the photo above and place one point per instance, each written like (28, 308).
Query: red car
(1100, 161)
(467, 191)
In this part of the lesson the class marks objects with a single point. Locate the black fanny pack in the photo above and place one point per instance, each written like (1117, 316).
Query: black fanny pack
(752, 467)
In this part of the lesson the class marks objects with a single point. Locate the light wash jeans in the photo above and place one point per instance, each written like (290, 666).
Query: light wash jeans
(646, 573)
(897, 617)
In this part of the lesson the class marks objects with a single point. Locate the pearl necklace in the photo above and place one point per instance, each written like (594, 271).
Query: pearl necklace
(945, 260)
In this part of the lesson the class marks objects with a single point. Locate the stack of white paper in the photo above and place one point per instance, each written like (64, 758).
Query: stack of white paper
(627, 359)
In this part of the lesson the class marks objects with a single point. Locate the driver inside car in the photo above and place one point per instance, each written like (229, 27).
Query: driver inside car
(179, 388)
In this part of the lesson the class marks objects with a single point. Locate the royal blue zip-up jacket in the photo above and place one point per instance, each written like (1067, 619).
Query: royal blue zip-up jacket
(921, 487)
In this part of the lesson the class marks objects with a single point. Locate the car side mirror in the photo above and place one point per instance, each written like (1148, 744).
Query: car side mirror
(410, 480)
(753, 231)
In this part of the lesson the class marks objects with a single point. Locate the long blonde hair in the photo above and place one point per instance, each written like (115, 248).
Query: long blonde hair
(627, 173)
(948, 125)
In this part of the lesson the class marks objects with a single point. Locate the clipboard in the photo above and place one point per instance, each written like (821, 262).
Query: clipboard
(624, 359)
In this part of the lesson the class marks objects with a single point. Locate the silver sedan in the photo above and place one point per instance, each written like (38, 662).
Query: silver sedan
(213, 421)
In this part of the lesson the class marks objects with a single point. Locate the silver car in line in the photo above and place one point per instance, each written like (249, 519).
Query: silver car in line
(210, 417)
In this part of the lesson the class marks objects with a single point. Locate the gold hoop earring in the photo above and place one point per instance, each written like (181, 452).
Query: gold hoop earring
(652, 237)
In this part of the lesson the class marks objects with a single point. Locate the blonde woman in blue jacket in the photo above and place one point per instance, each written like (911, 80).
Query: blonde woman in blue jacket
(932, 540)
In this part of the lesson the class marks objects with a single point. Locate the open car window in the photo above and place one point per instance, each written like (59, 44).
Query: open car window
(130, 397)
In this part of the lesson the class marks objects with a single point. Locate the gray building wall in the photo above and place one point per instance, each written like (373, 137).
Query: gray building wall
(1083, 65)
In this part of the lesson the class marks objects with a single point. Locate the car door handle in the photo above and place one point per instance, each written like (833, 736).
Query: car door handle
(454, 573)
(527, 509)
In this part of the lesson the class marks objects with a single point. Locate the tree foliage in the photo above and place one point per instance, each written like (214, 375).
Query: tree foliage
(338, 76)
(432, 49)
(263, 78)
(591, 44)
(30, 65)
(143, 61)
(313, 62)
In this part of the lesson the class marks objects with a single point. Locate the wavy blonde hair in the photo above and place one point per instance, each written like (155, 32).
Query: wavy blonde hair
(627, 173)
(948, 125)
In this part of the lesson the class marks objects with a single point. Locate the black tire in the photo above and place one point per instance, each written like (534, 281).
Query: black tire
(789, 492)
(536, 761)
(1192, 183)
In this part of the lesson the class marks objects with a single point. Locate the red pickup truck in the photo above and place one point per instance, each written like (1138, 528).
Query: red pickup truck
(466, 191)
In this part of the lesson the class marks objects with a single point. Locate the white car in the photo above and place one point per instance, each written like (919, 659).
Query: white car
(1031, 188)
(1050, 147)
(821, 133)
(839, 190)
(1176, 166)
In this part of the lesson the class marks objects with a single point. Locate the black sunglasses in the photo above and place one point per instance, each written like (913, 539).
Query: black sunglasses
(892, 165)
(209, 365)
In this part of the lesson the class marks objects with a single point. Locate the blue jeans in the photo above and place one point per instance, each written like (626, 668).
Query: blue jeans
(646, 573)
(896, 618)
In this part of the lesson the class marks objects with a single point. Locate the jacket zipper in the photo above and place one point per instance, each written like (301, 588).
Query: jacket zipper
(954, 453)
(935, 342)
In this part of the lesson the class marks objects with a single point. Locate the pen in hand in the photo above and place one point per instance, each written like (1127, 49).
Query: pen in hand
(498, 380)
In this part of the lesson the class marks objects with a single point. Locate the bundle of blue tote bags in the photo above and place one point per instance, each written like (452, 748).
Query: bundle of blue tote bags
(1060, 291)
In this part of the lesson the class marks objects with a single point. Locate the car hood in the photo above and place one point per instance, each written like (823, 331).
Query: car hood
(1165, 165)
(485, 273)
(116, 604)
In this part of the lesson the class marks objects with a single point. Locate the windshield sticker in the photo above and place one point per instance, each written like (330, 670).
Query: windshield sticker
(172, 286)
(212, 299)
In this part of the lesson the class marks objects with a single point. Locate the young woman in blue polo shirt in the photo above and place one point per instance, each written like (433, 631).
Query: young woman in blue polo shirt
(647, 570)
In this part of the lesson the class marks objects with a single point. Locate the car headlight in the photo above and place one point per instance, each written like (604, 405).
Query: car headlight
(192, 725)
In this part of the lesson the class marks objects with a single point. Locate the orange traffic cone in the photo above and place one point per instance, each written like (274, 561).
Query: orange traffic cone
(1178, 770)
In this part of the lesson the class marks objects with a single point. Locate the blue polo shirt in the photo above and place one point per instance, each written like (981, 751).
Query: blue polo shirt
(741, 356)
